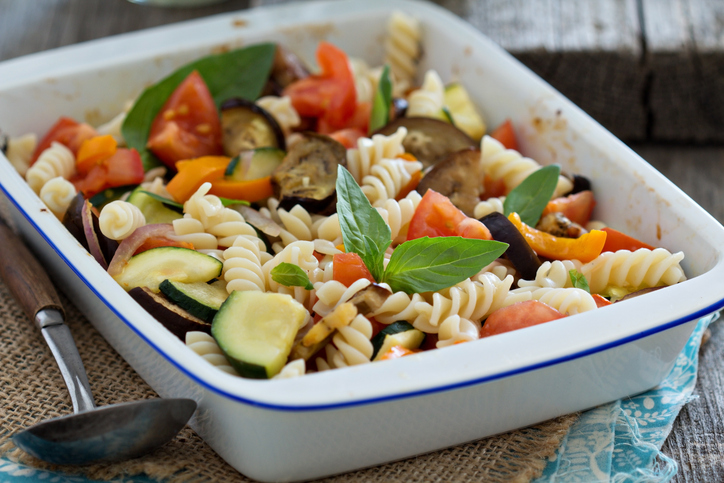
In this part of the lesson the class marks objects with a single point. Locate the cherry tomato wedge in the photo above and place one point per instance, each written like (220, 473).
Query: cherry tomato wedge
(615, 241)
(506, 135)
(577, 207)
(519, 316)
(67, 132)
(349, 267)
(437, 216)
(188, 125)
(348, 137)
(601, 301)
(124, 167)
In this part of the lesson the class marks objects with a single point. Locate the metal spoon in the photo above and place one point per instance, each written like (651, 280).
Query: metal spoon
(90, 435)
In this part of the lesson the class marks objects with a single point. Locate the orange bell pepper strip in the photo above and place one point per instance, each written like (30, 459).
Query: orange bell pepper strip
(195, 172)
(93, 151)
(584, 248)
(396, 352)
(252, 190)
(615, 241)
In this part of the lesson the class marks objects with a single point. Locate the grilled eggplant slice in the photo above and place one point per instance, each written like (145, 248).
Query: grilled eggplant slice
(247, 126)
(308, 174)
(520, 254)
(459, 177)
(429, 140)
(170, 315)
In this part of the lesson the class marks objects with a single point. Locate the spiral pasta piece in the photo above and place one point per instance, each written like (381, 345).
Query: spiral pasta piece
(205, 346)
(191, 230)
(243, 267)
(634, 271)
(119, 219)
(402, 46)
(510, 166)
(370, 151)
(428, 100)
(568, 301)
(456, 329)
(553, 274)
(351, 347)
(294, 368)
(55, 161)
(281, 110)
(387, 178)
(300, 253)
(473, 300)
(332, 293)
(57, 195)
(398, 214)
(491, 205)
(20, 152)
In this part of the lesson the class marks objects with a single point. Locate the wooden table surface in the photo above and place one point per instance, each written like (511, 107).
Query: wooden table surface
(697, 439)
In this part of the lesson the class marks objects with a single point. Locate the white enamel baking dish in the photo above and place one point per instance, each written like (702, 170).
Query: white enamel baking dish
(341, 420)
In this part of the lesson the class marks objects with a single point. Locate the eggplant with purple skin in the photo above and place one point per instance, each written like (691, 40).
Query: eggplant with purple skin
(459, 177)
(246, 126)
(429, 140)
(519, 253)
(170, 315)
(73, 219)
(308, 174)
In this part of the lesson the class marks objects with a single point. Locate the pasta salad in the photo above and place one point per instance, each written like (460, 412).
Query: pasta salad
(282, 221)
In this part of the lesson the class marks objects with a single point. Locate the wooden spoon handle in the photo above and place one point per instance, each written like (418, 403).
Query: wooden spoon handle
(24, 276)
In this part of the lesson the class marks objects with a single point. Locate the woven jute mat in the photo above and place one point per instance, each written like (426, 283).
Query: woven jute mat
(32, 390)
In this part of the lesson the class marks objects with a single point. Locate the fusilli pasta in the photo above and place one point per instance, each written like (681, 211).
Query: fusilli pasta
(387, 178)
(57, 195)
(20, 151)
(55, 161)
(282, 110)
(568, 301)
(455, 329)
(369, 152)
(243, 266)
(205, 346)
(555, 274)
(402, 46)
(119, 219)
(428, 100)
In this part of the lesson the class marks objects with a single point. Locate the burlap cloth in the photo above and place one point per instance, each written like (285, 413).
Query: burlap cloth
(32, 390)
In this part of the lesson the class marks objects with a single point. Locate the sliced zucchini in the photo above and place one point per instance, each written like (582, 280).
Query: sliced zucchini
(150, 268)
(463, 112)
(153, 210)
(247, 126)
(256, 330)
(399, 333)
(254, 164)
(200, 299)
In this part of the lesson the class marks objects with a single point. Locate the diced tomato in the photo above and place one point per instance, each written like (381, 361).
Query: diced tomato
(188, 125)
(94, 151)
(506, 135)
(67, 132)
(347, 137)
(577, 207)
(331, 96)
(123, 168)
(397, 351)
(493, 188)
(615, 241)
(318, 256)
(437, 216)
(601, 301)
(376, 326)
(519, 316)
(349, 267)
(162, 242)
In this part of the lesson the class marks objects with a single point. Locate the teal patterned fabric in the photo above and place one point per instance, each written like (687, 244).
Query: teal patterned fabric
(621, 441)
(618, 442)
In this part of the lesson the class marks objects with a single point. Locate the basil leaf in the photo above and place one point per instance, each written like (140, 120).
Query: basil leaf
(448, 115)
(164, 200)
(239, 73)
(364, 231)
(383, 100)
(228, 202)
(291, 275)
(430, 264)
(530, 197)
(579, 280)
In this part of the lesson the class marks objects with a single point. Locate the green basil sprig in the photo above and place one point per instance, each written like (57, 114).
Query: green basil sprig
(530, 197)
(239, 73)
(164, 200)
(421, 265)
(380, 115)
(579, 280)
(291, 275)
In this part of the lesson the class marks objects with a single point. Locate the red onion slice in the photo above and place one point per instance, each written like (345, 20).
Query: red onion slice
(129, 246)
(94, 246)
(265, 224)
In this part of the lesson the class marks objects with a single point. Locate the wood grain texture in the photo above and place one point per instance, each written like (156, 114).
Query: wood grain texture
(26, 278)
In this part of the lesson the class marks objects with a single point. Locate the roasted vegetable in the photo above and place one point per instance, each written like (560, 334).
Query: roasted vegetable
(370, 298)
(520, 254)
(247, 126)
(308, 174)
(170, 315)
(287, 68)
(429, 140)
(580, 183)
(459, 177)
(557, 224)
(73, 219)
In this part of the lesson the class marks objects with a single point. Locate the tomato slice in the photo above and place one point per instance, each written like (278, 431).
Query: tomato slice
(188, 124)
(124, 167)
(615, 241)
(348, 137)
(67, 132)
(506, 135)
(330, 96)
(519, 316)
(349, 267)
(437, 216)
(577, 207)
(601, 301)
(94, 151)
